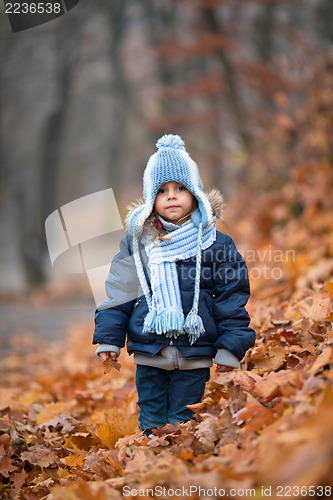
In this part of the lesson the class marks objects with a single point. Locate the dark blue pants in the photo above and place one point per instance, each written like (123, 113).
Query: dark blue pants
(164, 394)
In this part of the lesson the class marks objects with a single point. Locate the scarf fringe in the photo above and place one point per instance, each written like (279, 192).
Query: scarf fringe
(169, 321)
(149, 323)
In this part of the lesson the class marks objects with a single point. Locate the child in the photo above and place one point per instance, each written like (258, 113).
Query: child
(194, 288)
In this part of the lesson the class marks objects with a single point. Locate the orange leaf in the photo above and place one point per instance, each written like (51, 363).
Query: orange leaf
(80, 441)
(268, 358)
(254, 415)
(6, 466)
(76, 460)
(39, 455)
(325, 358)
(319, 309)
(109, 363)
(329, 288)
(51, 410)
(108, 435)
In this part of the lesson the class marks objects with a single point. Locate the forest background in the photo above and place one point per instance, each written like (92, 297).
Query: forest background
(248, 84)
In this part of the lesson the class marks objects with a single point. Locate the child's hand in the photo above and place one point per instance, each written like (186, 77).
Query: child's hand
(224, 368)
(104, 355)
(109, 361)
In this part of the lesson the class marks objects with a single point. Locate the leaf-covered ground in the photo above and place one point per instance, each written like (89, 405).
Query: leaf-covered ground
(68, 431)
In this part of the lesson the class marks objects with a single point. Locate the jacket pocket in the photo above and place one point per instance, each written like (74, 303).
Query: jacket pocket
(207, 316)
(208, 300)
(135, 325)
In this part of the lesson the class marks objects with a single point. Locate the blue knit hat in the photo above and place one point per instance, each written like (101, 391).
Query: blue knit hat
(170, 163)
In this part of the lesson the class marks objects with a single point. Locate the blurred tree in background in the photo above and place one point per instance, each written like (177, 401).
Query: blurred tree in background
(83, 99)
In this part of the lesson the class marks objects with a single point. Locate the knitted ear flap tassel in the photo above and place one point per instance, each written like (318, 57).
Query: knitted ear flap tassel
(193, 324)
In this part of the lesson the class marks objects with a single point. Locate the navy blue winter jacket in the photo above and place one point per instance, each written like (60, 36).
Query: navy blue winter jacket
(224, 292)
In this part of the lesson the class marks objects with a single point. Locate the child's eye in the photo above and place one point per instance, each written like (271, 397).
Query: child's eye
(160, 191)
(181, 188)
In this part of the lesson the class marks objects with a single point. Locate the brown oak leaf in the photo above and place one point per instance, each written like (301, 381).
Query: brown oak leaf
(40, 455)
(109, 363)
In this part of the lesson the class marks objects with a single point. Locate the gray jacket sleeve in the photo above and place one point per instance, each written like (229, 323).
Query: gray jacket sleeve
(122, 290)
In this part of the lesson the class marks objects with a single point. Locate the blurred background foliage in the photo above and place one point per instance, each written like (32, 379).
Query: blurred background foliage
(248, 84)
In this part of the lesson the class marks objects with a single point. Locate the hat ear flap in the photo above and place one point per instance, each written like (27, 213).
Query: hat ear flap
(203, 213)
(137, 220)
(196, 217)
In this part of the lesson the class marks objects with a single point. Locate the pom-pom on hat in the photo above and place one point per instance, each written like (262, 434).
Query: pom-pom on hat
(171, 162)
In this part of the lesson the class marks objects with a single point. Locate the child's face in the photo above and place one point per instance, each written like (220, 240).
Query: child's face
(173, 202)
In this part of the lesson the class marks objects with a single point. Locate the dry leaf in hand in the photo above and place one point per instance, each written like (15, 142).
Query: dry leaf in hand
(108, 364)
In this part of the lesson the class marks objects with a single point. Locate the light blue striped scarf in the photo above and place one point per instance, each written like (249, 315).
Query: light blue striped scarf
(165, 314)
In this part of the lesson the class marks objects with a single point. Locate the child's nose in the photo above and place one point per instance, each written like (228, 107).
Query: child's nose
(171, 194)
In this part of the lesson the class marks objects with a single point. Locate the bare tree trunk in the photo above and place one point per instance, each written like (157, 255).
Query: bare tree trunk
(161, 20)
(53, 139)
(233, 92)
(119, 91)
(324, 18)
(51, 143)
(3, 52)
(264, 29)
